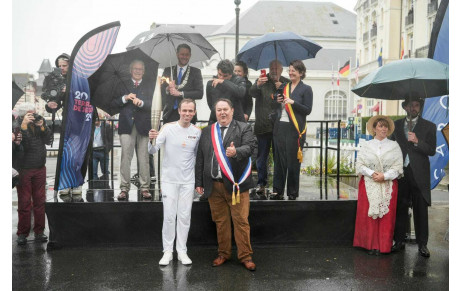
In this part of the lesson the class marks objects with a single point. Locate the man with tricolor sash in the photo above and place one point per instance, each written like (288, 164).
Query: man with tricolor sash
(223, 175)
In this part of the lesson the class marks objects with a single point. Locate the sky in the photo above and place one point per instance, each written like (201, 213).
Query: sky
(43, 29)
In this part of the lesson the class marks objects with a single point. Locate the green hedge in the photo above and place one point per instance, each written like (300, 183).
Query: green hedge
(364, 121)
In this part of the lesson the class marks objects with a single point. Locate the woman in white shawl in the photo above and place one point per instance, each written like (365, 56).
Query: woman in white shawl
(379, 164)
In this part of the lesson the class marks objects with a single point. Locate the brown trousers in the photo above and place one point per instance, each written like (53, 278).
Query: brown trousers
(223, 212)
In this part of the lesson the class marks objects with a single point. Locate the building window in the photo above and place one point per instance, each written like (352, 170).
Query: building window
(331, 14)
(335, 105)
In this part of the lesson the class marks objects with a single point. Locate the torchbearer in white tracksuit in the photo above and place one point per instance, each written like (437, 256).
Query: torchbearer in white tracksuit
(180, 140)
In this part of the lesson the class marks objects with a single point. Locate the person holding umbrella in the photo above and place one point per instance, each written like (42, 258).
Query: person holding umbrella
(379, 164)
(133, 127)
(186, 82)
(417, 138)
(289, 132)
(263, 90)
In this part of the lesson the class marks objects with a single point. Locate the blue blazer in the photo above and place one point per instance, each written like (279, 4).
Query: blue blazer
(131, 115)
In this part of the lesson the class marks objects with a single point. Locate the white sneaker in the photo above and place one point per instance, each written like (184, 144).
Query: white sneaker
(184, 258)
(77, 190)
(167, 257)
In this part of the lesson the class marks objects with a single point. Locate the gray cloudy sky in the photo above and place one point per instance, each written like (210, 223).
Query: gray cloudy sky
(42, 29)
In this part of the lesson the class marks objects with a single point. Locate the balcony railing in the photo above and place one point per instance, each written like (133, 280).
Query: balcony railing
(422, 52)
(409, 19)
(366, 36)
(432, 7)
(373, 32)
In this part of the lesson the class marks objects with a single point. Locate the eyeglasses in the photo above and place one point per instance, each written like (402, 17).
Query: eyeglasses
(138, 69)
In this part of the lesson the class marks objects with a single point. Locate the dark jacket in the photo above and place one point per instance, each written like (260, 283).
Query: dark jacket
(241, 135)
(418, 155)
(34, 141)
(247, 102)
(303, 103)
(265, 105)
(107, 136)
(234, 90)
(131, 115)
(193, 89)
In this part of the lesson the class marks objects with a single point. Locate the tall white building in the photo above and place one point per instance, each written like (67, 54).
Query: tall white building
(329, 25)
(396, 28)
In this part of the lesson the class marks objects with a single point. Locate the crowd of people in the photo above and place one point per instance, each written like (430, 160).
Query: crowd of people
(216, 161)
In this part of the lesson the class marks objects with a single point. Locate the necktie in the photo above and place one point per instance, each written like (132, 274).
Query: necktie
(136, 84)
(179, 79)
(222, 129)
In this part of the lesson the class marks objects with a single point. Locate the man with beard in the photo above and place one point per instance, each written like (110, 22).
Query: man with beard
(417, 139)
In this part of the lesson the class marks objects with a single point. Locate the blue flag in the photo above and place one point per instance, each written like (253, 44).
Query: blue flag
(436, 109)
(380, 60)
(87, 56)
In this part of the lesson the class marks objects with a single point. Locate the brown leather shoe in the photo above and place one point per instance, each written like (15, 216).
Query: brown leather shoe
(249, 264)
(218, 261)
(146, 194)
(122, 195)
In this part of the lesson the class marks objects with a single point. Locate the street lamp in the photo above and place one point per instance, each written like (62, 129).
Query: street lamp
(237, 28)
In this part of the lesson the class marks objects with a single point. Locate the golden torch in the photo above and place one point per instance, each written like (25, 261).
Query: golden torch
(156, 107)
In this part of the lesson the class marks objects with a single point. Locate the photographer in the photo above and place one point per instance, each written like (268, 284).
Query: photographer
(54, 84)
(32, 172)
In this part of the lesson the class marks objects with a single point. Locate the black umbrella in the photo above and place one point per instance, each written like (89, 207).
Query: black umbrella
(115, 71)
(17, 93)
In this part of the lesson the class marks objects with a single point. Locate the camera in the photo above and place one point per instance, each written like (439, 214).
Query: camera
(280, 90)
(53, 85)
(37, 117)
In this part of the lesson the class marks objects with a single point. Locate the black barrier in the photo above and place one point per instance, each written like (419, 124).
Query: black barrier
(305, 145)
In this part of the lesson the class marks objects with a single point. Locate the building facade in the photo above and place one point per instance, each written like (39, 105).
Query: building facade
(395, 29)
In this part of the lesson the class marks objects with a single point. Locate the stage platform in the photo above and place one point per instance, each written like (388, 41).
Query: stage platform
(319, 217)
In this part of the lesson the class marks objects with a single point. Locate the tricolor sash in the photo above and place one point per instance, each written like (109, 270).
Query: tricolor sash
(287, 94)
(224, 163)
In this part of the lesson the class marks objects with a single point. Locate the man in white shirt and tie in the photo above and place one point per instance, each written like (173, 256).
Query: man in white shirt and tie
(186, 82)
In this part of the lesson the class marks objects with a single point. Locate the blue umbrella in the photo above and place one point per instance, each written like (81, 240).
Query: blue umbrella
(283, 46)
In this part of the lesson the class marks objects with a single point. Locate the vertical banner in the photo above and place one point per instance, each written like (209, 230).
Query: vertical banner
(436, 109)
(87, 56)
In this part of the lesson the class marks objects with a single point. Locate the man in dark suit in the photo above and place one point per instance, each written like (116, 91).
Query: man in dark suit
(134, 124)
(417, 139)
(228, 194)
(186, 82)
(229, 86)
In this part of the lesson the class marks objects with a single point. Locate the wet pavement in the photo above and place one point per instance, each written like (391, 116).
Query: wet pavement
(278, 268)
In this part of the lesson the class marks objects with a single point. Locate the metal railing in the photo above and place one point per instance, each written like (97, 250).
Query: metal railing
(326, 149)
(373, 32)
(410, 19)
(324, 137)
(366, 36)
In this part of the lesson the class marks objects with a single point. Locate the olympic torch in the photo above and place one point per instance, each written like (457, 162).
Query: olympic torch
(156, 108)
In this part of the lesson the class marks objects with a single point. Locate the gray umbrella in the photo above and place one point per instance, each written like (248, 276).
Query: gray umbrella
(161, 42)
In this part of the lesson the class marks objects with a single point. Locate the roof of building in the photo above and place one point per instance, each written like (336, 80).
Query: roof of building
(310, 19)
(328, 59)
(45, 67)
(22, 79)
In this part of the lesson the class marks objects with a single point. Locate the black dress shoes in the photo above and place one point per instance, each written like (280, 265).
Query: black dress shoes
(398, 246)
(374, 252)
(276, 196)
(424, 252)
(292, 197)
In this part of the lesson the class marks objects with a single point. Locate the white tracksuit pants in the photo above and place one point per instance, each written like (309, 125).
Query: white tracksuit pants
(177, 202)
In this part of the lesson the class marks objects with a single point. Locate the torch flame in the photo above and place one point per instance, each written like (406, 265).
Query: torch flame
(164, 80)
